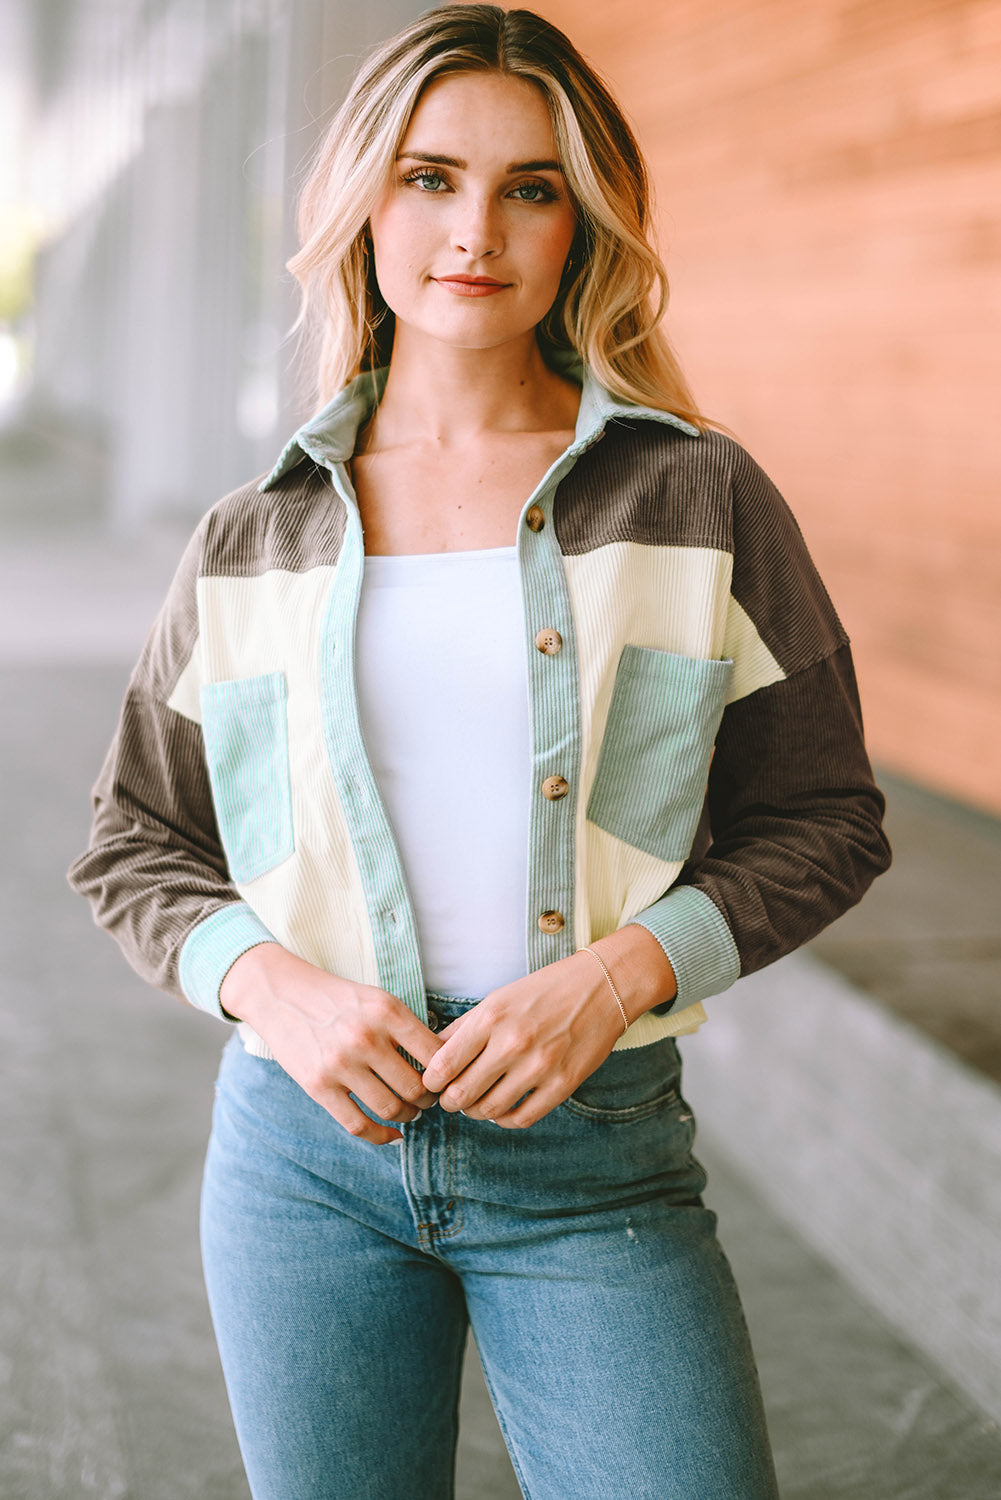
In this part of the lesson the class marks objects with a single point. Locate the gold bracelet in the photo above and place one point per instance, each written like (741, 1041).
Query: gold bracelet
(611, 986)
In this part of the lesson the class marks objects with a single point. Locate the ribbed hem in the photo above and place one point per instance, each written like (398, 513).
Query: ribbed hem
(693, 932)
(254, 1044)
(213, 947)
(651, 1027)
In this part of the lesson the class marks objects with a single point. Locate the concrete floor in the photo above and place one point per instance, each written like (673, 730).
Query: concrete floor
(109, 1382)
(926, 941)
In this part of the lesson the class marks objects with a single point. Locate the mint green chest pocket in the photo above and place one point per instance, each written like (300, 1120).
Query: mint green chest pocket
(245, 728)
(651, 778)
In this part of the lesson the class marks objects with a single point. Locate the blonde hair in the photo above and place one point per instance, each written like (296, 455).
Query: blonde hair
(609, 306)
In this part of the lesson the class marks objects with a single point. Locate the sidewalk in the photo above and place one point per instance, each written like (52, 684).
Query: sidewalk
(111, 1386)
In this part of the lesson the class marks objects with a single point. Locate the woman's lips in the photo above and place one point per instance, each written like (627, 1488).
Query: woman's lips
(471, 286)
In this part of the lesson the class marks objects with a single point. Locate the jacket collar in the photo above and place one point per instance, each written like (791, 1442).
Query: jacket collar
(330, 436)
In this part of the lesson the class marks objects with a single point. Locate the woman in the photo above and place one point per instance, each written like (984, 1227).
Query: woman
(502, 724)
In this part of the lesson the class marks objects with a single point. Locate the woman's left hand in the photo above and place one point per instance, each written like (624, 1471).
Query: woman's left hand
(537, 1039)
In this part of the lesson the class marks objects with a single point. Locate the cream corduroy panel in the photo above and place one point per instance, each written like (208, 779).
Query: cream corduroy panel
(313, 901)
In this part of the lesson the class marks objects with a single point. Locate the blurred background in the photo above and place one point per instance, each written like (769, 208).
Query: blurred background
(828, 183)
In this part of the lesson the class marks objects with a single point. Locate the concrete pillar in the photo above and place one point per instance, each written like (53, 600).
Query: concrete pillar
(164, 306)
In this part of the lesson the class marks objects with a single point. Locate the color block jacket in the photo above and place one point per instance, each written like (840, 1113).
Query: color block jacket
(693, 686)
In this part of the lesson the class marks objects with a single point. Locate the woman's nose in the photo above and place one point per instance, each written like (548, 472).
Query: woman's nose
(476, 230)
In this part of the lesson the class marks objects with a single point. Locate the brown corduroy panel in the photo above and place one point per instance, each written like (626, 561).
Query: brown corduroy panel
(296, 525)
(796, 816)
(172, 638)
(648, 483)
(774, 578)
(155, 867)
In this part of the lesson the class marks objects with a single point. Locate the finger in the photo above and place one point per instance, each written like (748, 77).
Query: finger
(384, 1081)
(475, 1082)
(423, 1100)
(452, 1027)
(533, 1107)
(398, 1074)
(497, 1100)
(355, 1121)
(462, 1047)
(383, 1101)
(409, 1032)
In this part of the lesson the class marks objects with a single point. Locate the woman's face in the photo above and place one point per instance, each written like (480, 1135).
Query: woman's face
(472, 233)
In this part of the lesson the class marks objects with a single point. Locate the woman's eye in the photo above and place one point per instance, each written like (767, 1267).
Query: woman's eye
(534, 192)
(431, 182)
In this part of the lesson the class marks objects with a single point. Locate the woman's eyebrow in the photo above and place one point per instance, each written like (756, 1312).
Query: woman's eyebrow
(435, 159)
(535, 166)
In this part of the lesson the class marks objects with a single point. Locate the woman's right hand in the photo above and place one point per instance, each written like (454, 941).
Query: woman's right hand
(334, 1037)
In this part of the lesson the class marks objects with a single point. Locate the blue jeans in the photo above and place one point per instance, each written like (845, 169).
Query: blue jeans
(342, 1277)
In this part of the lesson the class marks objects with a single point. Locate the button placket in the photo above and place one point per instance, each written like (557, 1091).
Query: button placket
(556, 734)
(390, 914)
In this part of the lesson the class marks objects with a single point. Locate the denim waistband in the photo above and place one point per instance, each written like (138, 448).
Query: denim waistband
(447, 1007)
(436, 997)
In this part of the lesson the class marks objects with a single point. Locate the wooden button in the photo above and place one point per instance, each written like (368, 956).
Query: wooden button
(551, 921)
(548, 640)
(535, 518)
(555, 787)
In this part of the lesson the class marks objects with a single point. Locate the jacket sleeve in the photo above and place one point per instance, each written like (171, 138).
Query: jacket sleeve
(791, 833)
(155, 872)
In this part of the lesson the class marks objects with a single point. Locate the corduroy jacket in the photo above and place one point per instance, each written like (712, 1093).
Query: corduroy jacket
(693, 706)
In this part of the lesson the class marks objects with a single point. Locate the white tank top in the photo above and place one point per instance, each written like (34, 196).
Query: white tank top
(443, 700)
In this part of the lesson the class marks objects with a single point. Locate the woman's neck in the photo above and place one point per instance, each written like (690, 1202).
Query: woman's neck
(450, 397)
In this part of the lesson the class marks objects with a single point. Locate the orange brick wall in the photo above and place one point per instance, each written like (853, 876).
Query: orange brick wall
(829, 187)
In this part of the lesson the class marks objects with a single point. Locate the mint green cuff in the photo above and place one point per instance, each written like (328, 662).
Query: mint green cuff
(212, 948)
(693, 932)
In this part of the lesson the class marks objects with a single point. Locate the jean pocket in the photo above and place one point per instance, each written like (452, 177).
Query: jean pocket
(654, 762)
(631, 1085)
(245, 728)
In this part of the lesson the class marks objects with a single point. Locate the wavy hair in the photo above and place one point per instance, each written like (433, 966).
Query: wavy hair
(609, 307)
